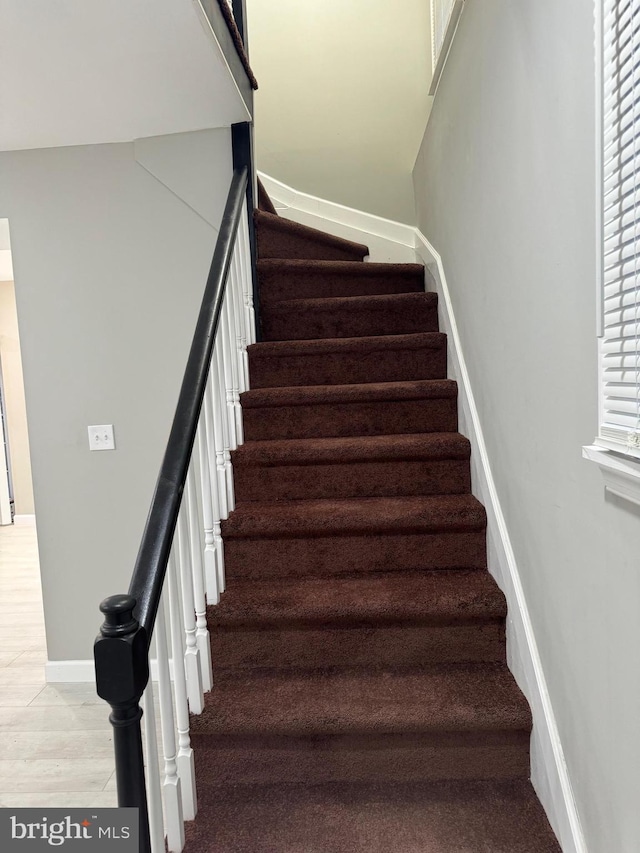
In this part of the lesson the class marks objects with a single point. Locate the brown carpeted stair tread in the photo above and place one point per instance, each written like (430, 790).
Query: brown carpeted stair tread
(343, 361)
(464, 697)
(278, 237)
(339, 361)
(318, 411)
(407, 621)
(347, 346)
(350, 316)
(359, 466)
(387, 392)
(301, 278)
(428, 598)
(392, 515)
(378, 817)
(302, 538)
(356, 304)
(311, 451)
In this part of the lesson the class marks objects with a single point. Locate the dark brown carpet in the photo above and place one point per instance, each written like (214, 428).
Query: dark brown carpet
(237, 40)
(362, 702)
(343, 361)
(280, 238)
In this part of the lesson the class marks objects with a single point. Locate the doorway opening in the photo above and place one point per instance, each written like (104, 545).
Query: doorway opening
(16, 489)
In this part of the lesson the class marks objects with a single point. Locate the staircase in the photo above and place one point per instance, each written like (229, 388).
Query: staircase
(361, 700)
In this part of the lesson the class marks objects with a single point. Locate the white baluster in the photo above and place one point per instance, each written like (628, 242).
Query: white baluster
(184, 760)
(220, 405)
(192, 652)
(235, 282)
(247, 279)
(217, 489)
(241, 318)
(228, 361)
(206, 493)
(199, 599)
(215, 434)
(171, 789)
(235, 363)
(154, 795)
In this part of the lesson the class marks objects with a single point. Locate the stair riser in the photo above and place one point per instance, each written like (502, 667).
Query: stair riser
(275, 243)
(332, 420)
(339, 555)
(403, 646)
(276, 286)
(352, 479)
(295, 325)
(348, 368)
(378, 759)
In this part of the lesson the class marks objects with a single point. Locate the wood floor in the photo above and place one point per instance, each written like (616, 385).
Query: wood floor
(55, 741)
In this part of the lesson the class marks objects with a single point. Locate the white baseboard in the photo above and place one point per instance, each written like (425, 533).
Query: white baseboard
(69, 671)
(548, 767)
(76, 671)
(388, 241)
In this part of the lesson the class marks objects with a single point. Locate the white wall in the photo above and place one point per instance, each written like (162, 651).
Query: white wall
(109, 266)
(342, 102)
(505, 192)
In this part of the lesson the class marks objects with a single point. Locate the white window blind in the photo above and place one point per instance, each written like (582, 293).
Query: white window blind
(620, 222)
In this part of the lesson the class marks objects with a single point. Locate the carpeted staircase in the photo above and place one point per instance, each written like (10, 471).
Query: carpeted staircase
(362, 702)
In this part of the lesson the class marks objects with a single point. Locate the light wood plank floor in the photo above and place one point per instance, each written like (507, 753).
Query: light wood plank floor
(56, 745)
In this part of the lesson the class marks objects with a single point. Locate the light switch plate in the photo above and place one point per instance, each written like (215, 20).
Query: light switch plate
(101, 437)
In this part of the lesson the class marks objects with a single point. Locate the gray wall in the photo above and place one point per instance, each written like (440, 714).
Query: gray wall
(110, 266)
(505, 191)
(343, 101)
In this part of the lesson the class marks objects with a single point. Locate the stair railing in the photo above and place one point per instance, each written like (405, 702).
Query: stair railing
(180, 564)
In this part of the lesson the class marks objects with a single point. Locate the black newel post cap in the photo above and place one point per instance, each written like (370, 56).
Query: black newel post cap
(119, 618)
(121, 654)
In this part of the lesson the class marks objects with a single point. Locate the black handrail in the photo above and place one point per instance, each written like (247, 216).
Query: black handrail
(148, 574)
(121, 650)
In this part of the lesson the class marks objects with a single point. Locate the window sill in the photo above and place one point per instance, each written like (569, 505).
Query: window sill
(621, 474)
